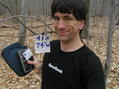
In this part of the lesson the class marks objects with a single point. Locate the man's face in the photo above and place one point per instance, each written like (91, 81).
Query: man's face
(67, 27)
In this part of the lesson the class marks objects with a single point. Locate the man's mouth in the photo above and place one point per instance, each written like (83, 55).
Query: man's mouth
(62, 33)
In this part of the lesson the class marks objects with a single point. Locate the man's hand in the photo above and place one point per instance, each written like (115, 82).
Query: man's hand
(37, 64)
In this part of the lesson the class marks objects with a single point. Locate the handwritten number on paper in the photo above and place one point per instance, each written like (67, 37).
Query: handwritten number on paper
(42, 43)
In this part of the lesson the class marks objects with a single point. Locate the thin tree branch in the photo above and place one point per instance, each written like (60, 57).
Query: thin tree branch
(24, 16)
(17, 27)
(16, 17)
(17, 35)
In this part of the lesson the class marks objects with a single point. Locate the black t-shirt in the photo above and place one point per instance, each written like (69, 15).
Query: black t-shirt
(80, 69)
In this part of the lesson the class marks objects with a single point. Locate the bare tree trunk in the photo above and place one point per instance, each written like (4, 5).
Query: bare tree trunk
(101, 14)
(117, 23)
(22, 28)
(109, 42)
(85, 32)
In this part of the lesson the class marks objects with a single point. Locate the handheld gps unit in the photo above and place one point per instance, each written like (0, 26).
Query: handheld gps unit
(24, 56)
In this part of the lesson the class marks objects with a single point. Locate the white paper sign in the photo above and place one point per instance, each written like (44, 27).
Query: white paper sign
(42, 43)
(27, 54)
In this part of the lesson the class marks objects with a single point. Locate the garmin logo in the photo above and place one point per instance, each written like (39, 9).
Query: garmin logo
(55, 68)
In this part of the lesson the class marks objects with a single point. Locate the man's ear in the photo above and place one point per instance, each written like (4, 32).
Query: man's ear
(81, 24)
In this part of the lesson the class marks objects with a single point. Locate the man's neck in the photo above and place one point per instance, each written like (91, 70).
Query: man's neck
(71, 46)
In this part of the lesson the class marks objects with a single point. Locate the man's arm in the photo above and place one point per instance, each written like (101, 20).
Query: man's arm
(93, 77)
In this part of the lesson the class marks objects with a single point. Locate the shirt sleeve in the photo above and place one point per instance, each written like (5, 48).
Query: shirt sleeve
(93, 75)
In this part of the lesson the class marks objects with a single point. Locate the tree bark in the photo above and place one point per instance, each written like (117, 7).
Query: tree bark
(109, 42)
(22, 29)
(85, 32)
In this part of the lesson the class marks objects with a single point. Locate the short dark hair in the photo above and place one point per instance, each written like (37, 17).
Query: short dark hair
(76, 7)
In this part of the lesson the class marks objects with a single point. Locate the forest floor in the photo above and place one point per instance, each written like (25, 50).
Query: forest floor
(97, 42)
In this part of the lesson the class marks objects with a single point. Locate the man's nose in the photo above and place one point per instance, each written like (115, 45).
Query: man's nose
(61, 24)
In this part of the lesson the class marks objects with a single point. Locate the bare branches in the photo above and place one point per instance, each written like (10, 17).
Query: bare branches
(16, 17)
(31, 17)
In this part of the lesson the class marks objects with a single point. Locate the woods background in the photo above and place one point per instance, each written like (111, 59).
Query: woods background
(100, 34)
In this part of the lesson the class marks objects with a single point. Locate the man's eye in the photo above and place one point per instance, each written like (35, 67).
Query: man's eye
(68, 19)
(56, 18)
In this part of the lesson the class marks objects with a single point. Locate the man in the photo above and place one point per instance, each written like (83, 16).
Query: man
(70, 64)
